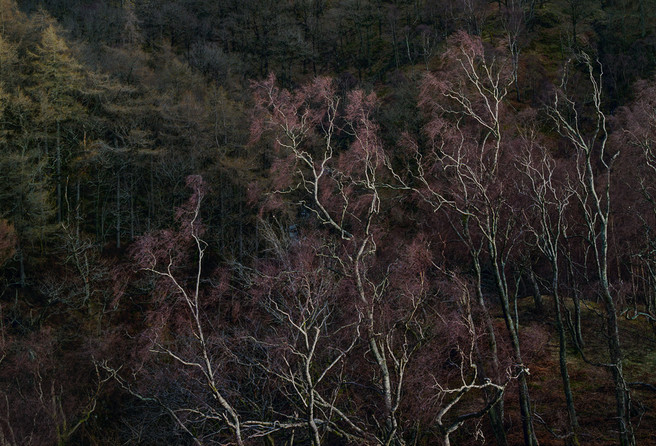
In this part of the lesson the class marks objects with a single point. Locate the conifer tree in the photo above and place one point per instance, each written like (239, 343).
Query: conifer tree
(58, 82)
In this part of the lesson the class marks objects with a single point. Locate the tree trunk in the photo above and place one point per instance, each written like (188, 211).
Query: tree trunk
(486, 314)
(77, 209)
(530, 438)
(577, 333)
(496, 420)
(240, 222)
(58, 175)
(562, 359)
(118, 210)
(643, 21)
(496, 412)
(537, 296)
(21, 264)
(622, 397)
(132, 214)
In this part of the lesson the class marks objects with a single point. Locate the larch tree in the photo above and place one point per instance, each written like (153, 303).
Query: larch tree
(58, 81)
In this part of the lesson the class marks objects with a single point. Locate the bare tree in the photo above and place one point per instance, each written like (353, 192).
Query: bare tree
(309, 339)
(516, 16)
(344, 195)
(332, 163)
(162, 265)
(638, 168)
(463, 173)
(469, 379)
(591, 189)
(549, 201)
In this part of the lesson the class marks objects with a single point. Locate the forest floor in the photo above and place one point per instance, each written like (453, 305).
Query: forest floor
(592, 386)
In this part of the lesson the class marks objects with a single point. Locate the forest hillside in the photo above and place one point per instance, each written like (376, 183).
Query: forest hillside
(327, 222)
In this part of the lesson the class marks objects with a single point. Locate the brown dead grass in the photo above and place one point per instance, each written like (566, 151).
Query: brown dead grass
(592, 386)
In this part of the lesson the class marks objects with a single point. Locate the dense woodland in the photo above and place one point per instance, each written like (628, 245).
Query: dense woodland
(335, 222)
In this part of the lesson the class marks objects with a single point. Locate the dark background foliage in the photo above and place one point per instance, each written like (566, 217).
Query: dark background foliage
(324, 221)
